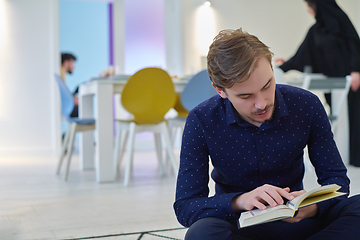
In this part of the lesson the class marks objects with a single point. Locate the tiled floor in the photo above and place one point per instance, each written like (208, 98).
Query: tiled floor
(37, 204)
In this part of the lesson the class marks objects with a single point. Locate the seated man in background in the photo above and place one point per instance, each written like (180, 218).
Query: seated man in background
(67, 66)
(254, 132)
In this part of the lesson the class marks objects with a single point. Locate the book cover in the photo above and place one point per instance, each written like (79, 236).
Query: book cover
(289, 209)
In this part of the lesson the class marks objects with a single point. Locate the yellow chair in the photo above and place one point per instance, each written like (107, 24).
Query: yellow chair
(181, 110)
(179, 121)
(148, 95)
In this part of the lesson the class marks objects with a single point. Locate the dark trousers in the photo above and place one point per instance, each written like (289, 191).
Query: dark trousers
(75, 112)
(342, 221)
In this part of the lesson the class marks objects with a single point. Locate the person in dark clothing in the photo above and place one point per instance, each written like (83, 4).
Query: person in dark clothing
(332, 47)
(67, 66)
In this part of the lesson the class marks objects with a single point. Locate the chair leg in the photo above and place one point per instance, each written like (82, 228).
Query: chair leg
(122, 147)
(117, 148)
(159, 152)
(130, 151)
(168, 146)
(70, 148)
(63, 149)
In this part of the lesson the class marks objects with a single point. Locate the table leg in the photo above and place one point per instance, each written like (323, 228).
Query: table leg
(86, 139)
(104, 135)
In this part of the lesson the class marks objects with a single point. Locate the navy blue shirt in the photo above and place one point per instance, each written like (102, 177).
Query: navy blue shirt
(245, 156)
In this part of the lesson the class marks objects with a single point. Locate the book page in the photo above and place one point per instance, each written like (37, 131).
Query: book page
(319, 198)
(323, 190)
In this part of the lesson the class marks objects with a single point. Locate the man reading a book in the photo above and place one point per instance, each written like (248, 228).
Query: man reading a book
(254, 132)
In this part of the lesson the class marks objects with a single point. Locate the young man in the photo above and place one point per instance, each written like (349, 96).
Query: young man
(67, 66)
(254, 132)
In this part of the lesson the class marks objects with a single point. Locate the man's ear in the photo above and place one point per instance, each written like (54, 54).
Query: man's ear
(65, 64)
(219, 91)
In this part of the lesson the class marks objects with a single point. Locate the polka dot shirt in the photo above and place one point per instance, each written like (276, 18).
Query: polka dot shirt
(245, 156)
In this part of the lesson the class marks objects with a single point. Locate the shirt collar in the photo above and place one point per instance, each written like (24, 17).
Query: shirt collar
(281, 110)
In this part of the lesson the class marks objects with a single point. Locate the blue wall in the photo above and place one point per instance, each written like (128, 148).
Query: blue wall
(84, 31)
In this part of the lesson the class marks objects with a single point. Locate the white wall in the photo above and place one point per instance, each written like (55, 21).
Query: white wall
(29, 54)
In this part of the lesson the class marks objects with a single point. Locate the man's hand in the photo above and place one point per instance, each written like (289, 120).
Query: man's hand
(305, 212)
(355, 81)
(76, 100)
(260, 197)
(278, 61)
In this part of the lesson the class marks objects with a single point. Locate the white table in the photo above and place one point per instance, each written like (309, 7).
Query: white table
(96, 101)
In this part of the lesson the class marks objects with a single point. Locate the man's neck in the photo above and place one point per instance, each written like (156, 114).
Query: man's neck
(63, 74)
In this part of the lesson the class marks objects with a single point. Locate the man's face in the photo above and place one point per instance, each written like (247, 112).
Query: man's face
(69, 65)
(254, 99)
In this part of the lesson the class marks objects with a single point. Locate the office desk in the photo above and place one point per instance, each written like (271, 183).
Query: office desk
(96, 101)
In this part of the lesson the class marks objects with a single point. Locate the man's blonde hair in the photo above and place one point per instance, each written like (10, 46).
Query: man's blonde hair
(233, 56)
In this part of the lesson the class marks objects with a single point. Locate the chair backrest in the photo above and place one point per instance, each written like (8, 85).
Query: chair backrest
(149, 94)
(315, 81)
(67, 100)
(182, 112)
(279, 75)
(341, 103)
(197, 90)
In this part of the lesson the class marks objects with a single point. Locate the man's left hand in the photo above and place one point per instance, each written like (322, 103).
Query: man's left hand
(305, 212)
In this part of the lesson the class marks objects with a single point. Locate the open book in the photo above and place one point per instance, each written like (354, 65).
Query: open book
(289, 209)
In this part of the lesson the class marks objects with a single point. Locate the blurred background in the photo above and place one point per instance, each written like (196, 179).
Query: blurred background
(126, 34)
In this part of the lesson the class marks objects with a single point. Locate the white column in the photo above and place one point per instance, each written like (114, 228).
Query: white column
(119, 34)
(174, 37)
(29, 115)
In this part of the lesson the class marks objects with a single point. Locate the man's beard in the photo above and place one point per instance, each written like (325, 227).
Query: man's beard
(263, 110)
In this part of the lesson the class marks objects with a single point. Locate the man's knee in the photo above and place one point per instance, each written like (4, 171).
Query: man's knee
(209, 228)
(347, 207)
(353, 205)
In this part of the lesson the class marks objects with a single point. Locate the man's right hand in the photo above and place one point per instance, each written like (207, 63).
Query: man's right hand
(76, 100)
(260, 197)
(278, 61)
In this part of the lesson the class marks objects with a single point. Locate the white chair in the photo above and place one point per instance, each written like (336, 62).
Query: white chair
(75, 125)
(321, 82)
(197, 90)
(340, 104)
(316, 81)
(279, 76)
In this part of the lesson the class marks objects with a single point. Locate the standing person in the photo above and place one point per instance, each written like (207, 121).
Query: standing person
(254, 132)
(332, 47)
(67, 66)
